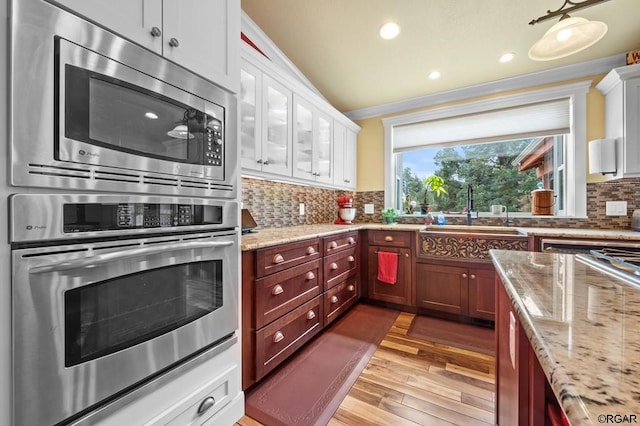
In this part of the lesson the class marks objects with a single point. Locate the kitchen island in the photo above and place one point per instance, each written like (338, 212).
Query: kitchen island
(582, 325)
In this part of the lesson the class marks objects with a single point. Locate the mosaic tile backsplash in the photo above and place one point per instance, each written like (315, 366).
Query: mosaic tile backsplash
(276, 204)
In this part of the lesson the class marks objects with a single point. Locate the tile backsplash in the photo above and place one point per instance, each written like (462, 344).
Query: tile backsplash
(276, 204)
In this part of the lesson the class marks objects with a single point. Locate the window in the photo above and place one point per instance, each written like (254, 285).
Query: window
(504, 147)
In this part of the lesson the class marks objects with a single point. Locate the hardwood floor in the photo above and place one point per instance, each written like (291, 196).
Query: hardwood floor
(416, 382)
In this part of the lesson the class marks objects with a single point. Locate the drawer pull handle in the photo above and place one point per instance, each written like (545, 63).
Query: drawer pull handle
(334, 299)
(310, 275)
(277, 290)
(388, 238)
(278, 258)
(333, 245)
(278, 337)
(311, 315)
(351, 240)
(464, 275)
(351, 259)
(333, 266)
(473, 276)
(351, 288)
(207, 403)
(311, 250)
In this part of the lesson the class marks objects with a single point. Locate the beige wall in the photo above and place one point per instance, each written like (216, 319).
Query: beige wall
(371, 136)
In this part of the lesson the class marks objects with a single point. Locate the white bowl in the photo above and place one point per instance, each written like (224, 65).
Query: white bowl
(347, 214)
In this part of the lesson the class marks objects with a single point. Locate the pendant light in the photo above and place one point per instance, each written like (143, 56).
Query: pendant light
(570, 35)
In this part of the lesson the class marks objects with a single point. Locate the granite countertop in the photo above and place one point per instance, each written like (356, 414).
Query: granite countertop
(584, 327)
(266, 237)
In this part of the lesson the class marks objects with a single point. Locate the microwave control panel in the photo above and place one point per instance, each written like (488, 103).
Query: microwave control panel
(213, 144)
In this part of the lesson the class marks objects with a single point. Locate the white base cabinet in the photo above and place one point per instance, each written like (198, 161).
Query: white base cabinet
(200, 35)
(621, 88)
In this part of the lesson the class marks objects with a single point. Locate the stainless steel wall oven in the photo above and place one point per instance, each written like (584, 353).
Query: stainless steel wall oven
(93, 111)
(110, 291)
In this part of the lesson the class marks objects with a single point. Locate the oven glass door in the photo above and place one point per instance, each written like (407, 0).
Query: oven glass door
(114, 314)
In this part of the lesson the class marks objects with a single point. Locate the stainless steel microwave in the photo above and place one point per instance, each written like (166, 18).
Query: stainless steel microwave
(91, 110)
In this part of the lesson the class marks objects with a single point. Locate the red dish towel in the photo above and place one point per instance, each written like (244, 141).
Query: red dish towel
(387, 267)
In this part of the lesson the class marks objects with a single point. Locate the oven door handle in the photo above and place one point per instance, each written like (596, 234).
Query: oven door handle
(100, 259)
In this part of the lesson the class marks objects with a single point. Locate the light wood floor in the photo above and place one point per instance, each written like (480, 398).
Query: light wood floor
(415, 382)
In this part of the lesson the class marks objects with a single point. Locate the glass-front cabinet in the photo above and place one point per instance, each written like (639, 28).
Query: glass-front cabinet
(276, 132)
(250, 100)
(312, 145)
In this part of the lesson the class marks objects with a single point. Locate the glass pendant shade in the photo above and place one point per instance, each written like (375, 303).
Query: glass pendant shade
(569, 36)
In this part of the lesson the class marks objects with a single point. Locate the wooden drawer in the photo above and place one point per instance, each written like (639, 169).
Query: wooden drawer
(339, 242)
(390, 238)
(278, 340)
(339, 299)
(339, 266)
(275, 259)
(279, 293)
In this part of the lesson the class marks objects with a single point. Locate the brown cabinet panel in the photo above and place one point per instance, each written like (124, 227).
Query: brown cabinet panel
(398, 293)
(278, 293)
(482, 300)
(339, 266)
(390, 238)
(339, 299)
(278, 340)
(339, 242)
(442, 288)
(275, 259)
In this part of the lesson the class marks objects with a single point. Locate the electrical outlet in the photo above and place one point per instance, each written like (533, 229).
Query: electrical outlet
(368, 209)
(301, 209)
(616, 208)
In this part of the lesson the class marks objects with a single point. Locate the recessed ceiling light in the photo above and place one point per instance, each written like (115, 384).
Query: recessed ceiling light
(151, 115)
(507, 57)
(389, 30)
(434, 75)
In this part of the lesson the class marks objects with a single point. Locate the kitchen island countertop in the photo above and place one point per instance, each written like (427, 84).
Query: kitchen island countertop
(583, 325)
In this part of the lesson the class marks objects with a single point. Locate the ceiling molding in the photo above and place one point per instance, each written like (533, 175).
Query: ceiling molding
(555, 75)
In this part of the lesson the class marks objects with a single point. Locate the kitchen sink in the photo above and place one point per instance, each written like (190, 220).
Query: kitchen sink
(465, 229)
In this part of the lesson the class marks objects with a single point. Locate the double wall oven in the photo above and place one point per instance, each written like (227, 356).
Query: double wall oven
(124, 219)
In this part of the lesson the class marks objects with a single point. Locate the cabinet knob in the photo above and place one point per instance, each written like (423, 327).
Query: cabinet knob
(278, 258)
(351, 288)
(311, 315)
(473, 276)
(351, 259)
(310, 275)
(155, 32)
(277, 290)
(351, 240)
(333, 266)
(265, 162)
(333, 245)
(278, 337)
(173, 42)
(207, 403)
(259, 161)
(464, 275)
(334, 299)
(311, 250)
(388, 238)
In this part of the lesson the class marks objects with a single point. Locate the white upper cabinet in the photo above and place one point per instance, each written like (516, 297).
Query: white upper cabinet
(344, 156)
(250, 112)
(312, 143)
(621, 88)
(200, 35)
(276, 129)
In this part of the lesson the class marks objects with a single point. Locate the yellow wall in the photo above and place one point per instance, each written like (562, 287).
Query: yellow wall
(371, 136)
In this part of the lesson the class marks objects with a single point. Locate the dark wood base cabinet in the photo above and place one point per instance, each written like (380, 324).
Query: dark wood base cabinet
(456, 287)
(523, 395)
(399, 243)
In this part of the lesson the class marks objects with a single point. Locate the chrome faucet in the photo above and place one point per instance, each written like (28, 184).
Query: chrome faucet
(469, 204)
(506, 220)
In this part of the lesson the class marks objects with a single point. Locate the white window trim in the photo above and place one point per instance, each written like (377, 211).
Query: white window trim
(575, 161)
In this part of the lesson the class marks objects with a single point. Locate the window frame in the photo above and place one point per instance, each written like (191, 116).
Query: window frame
(576, 140)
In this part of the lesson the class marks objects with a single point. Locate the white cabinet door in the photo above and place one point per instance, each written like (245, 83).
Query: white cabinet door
(351, 159)
(250, 112)
(631, 126)
(339, 146)
(323, 151)
(143, 18)
(276, 129)
(204, 36)
(303, 139)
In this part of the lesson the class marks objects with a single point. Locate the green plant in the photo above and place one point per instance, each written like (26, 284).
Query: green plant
(434, 183)
(390, 213)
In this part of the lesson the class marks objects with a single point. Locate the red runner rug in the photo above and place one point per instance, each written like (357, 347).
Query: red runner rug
(309, 387)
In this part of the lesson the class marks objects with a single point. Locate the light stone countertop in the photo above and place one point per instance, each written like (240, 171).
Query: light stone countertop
(266, 237)
(584, 327)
